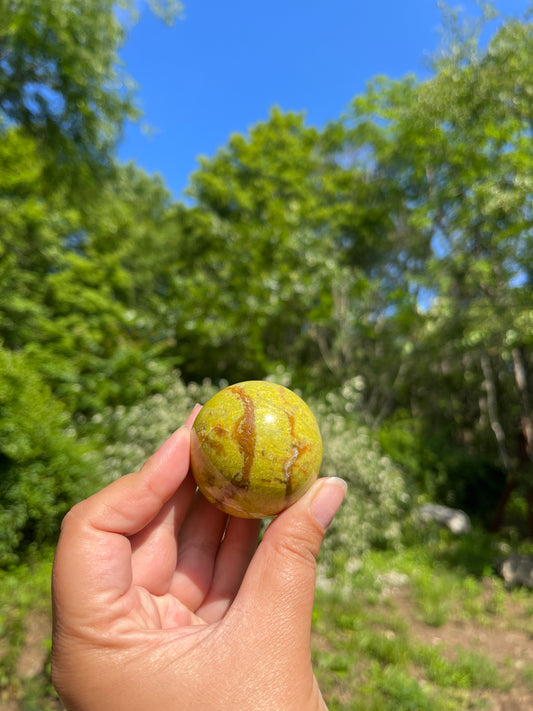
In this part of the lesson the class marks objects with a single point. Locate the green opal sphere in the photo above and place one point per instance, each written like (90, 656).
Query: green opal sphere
(255, 449)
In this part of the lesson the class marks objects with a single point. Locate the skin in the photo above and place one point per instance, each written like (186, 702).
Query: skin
(155, 608)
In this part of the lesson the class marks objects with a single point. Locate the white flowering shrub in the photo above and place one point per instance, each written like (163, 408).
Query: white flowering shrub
(377, 495)
(128, 436)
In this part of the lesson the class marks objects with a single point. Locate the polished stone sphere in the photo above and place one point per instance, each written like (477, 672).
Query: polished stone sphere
(255, 449)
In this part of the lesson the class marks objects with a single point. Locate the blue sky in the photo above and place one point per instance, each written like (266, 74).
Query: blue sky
(222, 67)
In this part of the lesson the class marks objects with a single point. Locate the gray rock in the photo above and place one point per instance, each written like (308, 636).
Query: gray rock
(516, 570)
(393, 579)
(456, 520)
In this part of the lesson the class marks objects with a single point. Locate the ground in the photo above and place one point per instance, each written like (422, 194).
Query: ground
(504, 641)
(406, 633)
(413, 633)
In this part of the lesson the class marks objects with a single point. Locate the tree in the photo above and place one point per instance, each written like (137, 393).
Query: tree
(252, 262)
(62, 82)
(43, 469)
(458, 148)
(59, 78)
(75, 232)
(278, 231)
(76, 288)
(74, 225)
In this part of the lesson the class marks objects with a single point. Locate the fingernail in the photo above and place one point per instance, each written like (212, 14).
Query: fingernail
(327, 500)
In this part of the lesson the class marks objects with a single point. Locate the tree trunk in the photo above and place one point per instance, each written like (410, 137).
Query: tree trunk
(521, 379)
(492, 411)
(494, 421)
(526, 422)
(499, 513)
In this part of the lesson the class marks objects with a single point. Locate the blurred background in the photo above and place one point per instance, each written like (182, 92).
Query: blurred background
(338, 198)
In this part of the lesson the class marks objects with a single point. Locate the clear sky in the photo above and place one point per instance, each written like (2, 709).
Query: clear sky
(222, 67)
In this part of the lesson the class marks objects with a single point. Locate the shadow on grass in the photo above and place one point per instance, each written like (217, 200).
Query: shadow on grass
(473, 554)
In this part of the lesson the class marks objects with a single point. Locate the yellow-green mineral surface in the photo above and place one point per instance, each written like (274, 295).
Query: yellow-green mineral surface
(255, 449)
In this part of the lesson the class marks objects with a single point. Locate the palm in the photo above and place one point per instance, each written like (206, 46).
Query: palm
(185, 567)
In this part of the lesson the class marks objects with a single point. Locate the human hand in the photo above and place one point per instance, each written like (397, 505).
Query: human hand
(162, 602)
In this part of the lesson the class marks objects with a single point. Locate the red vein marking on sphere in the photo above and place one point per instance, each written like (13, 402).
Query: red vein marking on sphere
(297, 450)
(244, 435)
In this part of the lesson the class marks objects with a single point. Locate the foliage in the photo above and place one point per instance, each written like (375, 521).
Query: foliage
(391, 249)
(43, 469)
(59, 80)
(458, 149)
(241, 289)
(128, 436)
(67, 295)
(24, 596)
(378, 495)
(279, 249)
(453, 476)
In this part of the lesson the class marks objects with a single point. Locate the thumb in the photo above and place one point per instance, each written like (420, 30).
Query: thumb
(279, 586)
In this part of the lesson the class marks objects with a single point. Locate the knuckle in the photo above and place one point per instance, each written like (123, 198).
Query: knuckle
(301, 545)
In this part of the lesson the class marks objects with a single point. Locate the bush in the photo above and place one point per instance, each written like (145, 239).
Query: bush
(43, 468)
(377, 495)
(128, 435)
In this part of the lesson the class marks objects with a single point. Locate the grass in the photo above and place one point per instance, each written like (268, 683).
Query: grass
(380, 636)
(367, 649)
(24, 590)
(373, 662)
